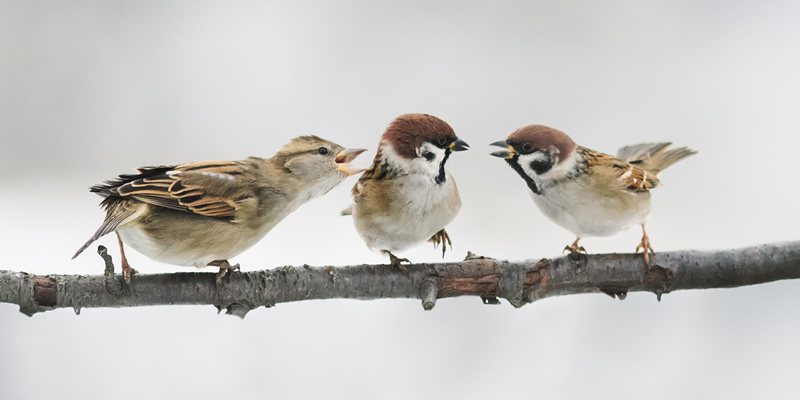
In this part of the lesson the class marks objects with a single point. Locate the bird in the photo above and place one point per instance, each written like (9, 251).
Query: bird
(584, 191)
(204, 213)
(406, 196)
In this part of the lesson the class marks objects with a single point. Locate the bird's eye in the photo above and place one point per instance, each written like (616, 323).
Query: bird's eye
(527, 147)
(322, 151)
(442, 140)
(428, 155)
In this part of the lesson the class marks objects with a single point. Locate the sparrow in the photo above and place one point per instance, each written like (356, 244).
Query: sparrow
(204, 213)
(407, 197)
(584, 191)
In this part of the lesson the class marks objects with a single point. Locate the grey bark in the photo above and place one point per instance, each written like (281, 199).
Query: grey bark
(517, 282)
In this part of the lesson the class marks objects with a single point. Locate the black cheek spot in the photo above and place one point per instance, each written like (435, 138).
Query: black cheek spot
(541, 167)
(428, 155)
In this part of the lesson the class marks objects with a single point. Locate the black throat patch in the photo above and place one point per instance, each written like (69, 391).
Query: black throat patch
(442, 177)
(514, 163)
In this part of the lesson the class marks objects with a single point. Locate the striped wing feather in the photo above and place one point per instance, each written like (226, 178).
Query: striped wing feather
(629, 176)
(207, 188)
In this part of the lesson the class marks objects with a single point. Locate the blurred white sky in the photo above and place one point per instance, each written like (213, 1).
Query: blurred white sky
(92, 89)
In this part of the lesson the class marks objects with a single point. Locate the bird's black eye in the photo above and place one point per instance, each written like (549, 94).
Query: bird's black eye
(322, 151)
(442, 140)
(527, 147)
(428, 155)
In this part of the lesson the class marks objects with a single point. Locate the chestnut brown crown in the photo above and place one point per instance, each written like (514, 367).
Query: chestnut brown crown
(407, 133)
(531, 138)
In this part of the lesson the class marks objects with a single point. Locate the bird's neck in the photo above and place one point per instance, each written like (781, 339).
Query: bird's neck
(385, 165)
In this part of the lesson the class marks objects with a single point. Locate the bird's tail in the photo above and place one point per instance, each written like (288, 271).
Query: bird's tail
(653, 157)
(85, 245)
(117, 213)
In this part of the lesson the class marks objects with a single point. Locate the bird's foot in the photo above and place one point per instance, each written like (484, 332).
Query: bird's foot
(224, 267)
(575, 248)
(396, 261)
(443, 239)
(646, 247)
(127, 271)
(571, 249)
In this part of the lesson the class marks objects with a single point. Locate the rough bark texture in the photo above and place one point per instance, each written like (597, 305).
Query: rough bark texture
(518, 282)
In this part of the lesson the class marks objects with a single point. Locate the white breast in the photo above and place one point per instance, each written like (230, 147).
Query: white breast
(428, 209)
(601, 214)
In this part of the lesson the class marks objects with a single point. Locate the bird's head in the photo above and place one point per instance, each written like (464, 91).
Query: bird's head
(317, 163)
(533, 151)
(420, 143)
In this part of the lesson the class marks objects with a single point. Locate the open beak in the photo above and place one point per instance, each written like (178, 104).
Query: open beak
(507, 154)
(343, 161)
(459, 145)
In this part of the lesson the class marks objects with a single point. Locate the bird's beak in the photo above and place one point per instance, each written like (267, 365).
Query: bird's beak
(343, 161)
(507, 154)
(459, 145)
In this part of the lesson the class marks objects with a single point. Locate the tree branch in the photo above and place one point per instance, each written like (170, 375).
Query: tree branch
(518, 282)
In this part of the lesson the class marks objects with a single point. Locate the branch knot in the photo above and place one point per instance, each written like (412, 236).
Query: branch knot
(511, 284)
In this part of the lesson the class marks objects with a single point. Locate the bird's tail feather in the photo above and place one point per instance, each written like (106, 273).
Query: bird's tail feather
(347, 211)
(117, 212)
(653, 157)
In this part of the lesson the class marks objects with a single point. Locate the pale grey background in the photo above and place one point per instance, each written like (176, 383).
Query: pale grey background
(92, 89)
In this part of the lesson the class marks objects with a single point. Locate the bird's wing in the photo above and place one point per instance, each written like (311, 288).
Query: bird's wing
(362, 187)
(615, 171)
(372, 182)
(211, 189)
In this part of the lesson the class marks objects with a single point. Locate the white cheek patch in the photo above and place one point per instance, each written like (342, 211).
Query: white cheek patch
(539, 156)
(418, 165)
(567, 166)
(425, 166)
(524, 161)
(427, 147)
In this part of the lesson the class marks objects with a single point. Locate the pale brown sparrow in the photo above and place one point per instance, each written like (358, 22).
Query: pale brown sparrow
(407, 196)
(584, 191)
(201, 214)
